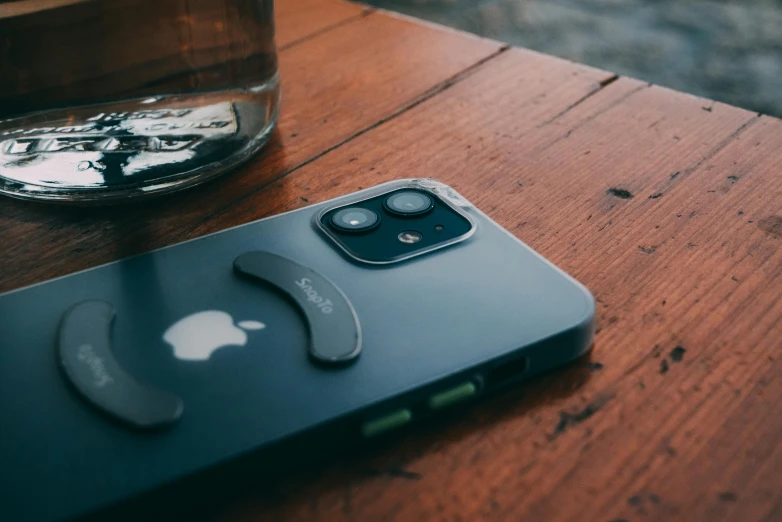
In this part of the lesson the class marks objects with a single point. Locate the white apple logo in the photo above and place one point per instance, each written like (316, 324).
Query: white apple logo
(197, 336)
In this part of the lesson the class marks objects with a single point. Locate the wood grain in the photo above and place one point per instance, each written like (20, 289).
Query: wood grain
(300, 19)
(667, 206)
(325, 102)
(669, 419)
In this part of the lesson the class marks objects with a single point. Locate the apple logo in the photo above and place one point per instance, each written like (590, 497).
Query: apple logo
(197, 336)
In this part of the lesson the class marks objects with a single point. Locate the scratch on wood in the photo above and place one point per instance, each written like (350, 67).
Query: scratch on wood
(568, 420)
(653, 353)
(772, 226)
(619, 193)
(600, 86)
(602, 111)
(716, 150)
(523, 471)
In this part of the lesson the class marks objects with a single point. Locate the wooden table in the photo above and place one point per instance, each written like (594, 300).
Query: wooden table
(667, 206)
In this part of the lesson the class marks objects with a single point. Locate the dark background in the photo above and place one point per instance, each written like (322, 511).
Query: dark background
(730, 51)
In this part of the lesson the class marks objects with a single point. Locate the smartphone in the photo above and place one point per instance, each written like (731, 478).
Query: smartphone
(343, 321)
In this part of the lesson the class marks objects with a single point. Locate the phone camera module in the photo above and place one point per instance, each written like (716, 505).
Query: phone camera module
(409, 203)
(393, 225)
(355, 219)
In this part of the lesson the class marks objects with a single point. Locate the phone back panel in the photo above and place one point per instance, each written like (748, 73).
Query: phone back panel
(422, 320)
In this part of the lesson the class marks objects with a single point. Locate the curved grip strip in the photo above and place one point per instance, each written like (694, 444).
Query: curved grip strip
(84, 351)
(335, 333)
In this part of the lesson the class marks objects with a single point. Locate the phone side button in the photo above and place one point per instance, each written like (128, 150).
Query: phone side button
(452, 395)
(385, 423)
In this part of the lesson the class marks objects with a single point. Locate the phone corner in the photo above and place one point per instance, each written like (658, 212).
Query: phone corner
(584, 328)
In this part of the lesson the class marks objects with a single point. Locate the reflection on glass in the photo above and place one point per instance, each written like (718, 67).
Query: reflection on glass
(106, 99)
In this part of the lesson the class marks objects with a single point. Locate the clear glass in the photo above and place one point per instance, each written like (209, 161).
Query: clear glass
(102, 100)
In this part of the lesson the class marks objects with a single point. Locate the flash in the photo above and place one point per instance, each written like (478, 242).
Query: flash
(410, 236)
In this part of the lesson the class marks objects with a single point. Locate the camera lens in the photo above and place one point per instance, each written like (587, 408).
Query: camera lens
(409, 203)
(355, 219)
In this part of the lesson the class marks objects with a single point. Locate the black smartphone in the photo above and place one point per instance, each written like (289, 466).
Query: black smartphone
(344, 320)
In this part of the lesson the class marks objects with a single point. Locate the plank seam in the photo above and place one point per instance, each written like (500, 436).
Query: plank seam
(680, 176)
(426, 95)
(599, 87)
(323, 30)
(597, 114)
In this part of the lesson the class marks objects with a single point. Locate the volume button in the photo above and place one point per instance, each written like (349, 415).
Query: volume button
(452, 395)
(387, 422)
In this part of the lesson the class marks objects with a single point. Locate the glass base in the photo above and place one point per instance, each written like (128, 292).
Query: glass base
(109, 152)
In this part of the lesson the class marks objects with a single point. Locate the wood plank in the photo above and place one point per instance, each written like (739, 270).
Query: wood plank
(546, 87)
(334, 86)
(669, 419)
(299, 19)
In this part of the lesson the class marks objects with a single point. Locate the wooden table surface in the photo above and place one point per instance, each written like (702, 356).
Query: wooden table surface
(667, 206)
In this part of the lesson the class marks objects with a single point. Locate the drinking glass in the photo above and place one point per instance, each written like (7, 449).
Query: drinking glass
(102, 100)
